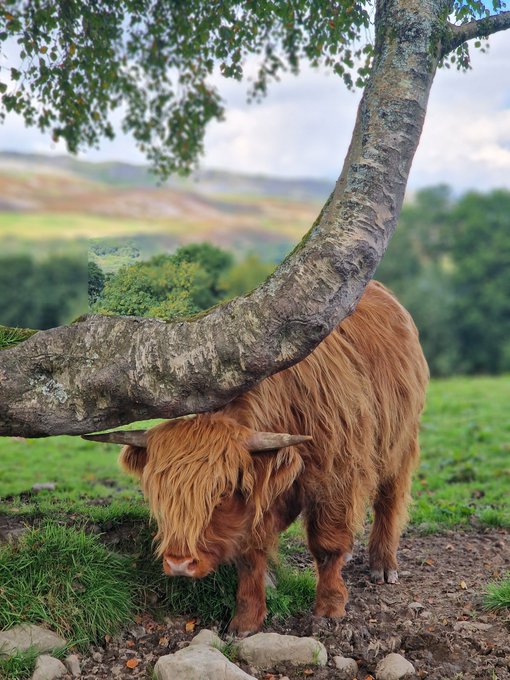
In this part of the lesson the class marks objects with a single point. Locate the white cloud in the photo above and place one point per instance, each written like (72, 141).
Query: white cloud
(303, 128)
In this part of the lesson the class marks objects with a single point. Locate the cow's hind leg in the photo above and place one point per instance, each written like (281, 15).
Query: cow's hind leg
(390, 514)
(330, 542)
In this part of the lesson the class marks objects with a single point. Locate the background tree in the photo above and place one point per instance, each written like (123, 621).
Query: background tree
(82, 60)
(213, 262)
(42, 294)
(160, 287)
(96, 281)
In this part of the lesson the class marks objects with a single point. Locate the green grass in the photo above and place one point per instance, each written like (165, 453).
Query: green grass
(68, 580)
(18, 667)
(463, 479)
(464, 474)
(13, 336)
(498, 595)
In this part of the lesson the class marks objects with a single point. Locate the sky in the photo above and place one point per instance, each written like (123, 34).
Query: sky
(303, 128)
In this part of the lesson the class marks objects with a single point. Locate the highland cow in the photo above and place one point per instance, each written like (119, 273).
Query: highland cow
(223, 485)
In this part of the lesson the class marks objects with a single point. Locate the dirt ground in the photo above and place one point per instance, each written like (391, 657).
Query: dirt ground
(433, 616)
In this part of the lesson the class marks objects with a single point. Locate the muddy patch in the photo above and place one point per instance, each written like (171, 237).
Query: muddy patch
(434, 616)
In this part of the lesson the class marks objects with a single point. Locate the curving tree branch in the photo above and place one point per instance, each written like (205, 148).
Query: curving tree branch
(105, 371)
(481, 28)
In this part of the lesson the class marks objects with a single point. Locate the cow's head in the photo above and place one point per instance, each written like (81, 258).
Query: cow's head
(209, 481)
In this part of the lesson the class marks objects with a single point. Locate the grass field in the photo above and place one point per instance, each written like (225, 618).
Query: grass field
(464, 474)
(464, 479)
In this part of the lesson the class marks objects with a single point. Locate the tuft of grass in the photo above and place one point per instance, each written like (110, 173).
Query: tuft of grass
(230, 649)
(294, 592)
(497, 595)
(66, 579)
(20, 666)
(13, 336)
(213, 598)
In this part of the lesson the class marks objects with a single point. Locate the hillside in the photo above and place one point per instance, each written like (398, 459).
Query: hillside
(57, 198)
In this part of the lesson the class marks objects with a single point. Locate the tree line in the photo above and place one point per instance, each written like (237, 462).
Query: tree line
(447, 263)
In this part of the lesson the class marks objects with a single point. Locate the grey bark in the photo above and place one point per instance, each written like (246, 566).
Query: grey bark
(107, 371)
(481, 28)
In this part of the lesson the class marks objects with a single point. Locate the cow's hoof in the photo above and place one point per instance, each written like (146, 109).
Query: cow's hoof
(392, 576)
(242, 629)
(381, 576)
(329, 611)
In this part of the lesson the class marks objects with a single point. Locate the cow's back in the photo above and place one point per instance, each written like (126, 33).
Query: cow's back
(359, 394)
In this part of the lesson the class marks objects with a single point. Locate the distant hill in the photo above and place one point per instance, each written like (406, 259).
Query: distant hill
(204, 181)
(54, 198)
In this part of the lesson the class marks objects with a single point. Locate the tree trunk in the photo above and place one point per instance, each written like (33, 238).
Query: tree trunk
(105, 371)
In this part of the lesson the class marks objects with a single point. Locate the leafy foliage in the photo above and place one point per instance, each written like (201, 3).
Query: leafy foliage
(465, 11)
(156, 288)
(72, 64)
(42, 294)
(76, 62)
(96, 281)
(245, 275)
(447, 264)
(193, 279)
(213, 262)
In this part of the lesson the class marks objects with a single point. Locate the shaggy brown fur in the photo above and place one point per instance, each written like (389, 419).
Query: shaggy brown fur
(359, 395)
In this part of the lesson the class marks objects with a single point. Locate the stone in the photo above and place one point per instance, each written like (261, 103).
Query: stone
(44, 486)
(207, 638)
(198, 662)
(48, 668)
(394, 667)
(23, 637)
(347, 668)
(72, 663)
(11, 530)
(137, 632)
(266, 649)
(416, 606)
(471, 626)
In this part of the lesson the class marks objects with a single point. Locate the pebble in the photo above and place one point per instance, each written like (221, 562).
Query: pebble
(266, 649)
(44, 486)
(208, 638)
(394, 667)
(48, 668)
(198, 662)
(72, 663)
(25, 636)
(347, 668)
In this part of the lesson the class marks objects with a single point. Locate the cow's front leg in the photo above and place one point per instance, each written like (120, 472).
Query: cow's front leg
(251, 593)
(330, 543)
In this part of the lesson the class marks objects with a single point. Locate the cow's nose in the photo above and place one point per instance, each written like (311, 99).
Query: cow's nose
(181, 566)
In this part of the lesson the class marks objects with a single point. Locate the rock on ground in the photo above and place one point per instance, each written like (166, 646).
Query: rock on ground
(48, 668)
(207, 638)
(266, 649)
(198, 662)
(72, 663)
(26, 636)
(347, 668)
(394, 667)
(44, 486)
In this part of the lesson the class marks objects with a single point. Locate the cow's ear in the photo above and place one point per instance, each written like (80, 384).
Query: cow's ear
(275, 473)
(133, 459)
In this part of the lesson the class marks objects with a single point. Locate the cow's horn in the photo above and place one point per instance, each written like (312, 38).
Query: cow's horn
(270, 441)
(133, 437)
